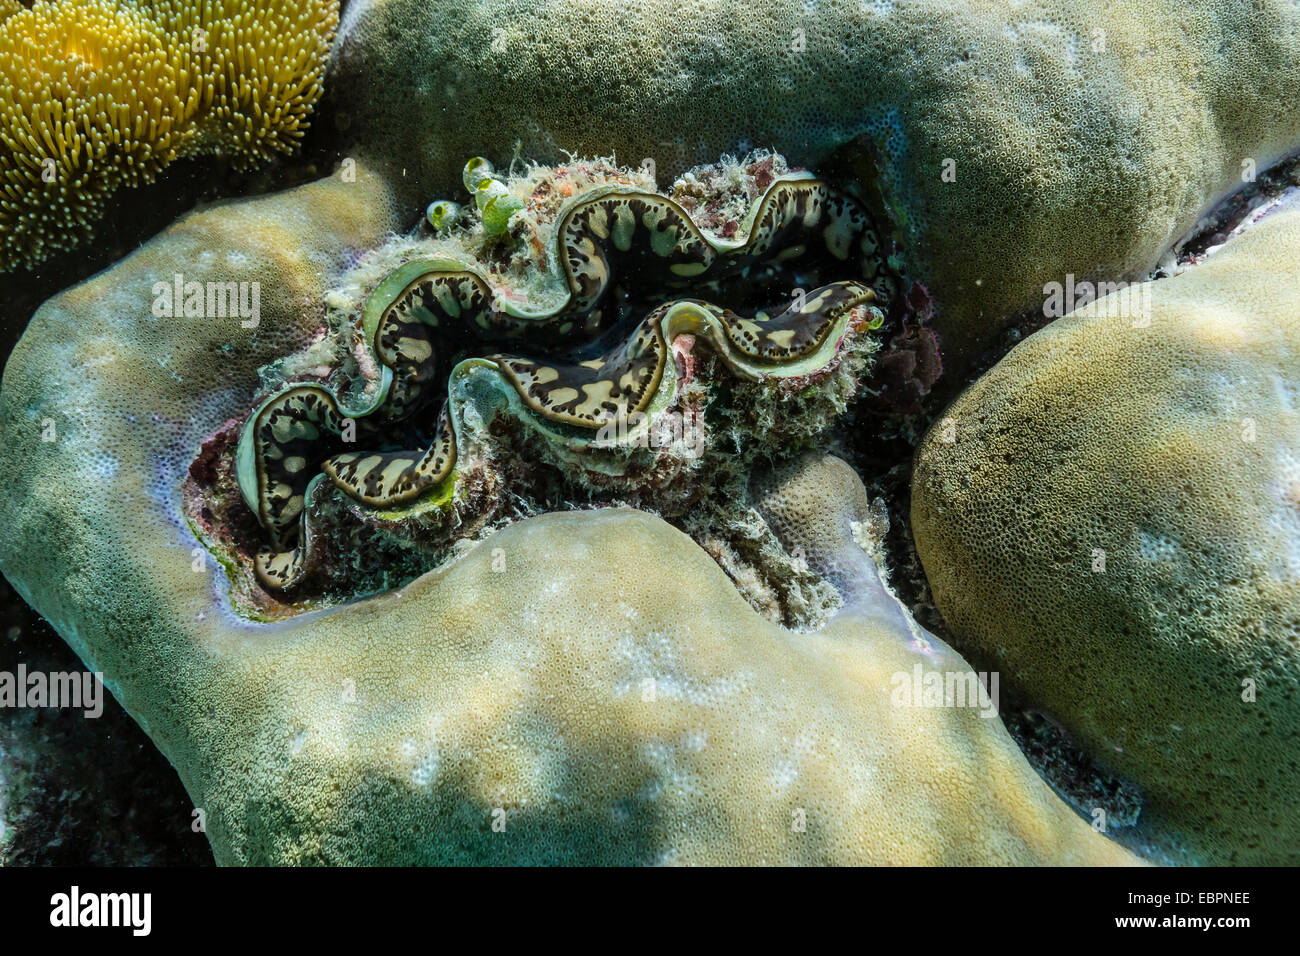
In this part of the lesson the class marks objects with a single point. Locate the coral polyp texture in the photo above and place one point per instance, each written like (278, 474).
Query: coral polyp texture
(1110, 516)
(586, 289)
(102, 95)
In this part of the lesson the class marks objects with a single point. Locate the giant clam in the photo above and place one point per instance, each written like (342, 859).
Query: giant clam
(589, 371)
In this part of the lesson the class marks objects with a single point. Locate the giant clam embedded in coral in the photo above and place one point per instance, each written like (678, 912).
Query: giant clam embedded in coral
(556, 509)
(619, 312)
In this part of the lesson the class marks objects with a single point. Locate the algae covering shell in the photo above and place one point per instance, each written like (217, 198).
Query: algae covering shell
(774, 301)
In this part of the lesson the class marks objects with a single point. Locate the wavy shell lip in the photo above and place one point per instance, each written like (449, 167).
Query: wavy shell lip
(613, 238)
(247, 458)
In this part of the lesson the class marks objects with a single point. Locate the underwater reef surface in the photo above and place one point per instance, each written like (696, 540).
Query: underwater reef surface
(600, 572)
(1109, 517)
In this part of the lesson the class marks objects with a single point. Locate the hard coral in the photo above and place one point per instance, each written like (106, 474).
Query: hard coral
(1014, 142)
(1111, 516)
(100, 95)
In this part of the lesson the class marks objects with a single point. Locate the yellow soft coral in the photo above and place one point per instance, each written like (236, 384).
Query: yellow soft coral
(97, 95)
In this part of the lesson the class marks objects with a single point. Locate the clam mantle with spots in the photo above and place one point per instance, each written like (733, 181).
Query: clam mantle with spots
(779, 301)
